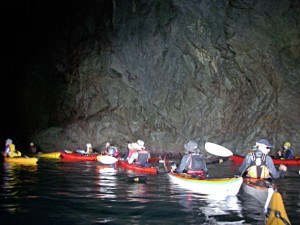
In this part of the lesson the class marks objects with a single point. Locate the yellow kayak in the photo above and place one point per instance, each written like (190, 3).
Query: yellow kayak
(276, 212)
(22, 160)
(49, 155)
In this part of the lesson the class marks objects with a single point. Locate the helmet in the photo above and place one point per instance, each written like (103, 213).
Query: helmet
(31, 144)
(9, 141)
(287, 144)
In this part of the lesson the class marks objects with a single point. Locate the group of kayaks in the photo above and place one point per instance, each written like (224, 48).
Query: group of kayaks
(265, 191)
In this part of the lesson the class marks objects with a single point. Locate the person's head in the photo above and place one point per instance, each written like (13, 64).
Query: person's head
(8, 142)
(264, 146)
(31, 144)
(107, 144)
(191, 146)
(287, 145)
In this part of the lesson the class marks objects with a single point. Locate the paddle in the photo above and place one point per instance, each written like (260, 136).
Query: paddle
(217, 150)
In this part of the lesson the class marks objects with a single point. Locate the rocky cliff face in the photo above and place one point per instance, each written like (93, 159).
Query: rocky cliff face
(170, 71)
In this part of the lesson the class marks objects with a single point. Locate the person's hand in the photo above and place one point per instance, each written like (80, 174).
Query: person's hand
(283, 168)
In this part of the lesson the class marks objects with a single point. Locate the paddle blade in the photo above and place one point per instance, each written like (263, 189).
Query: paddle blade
(217, 150)
(106, 159)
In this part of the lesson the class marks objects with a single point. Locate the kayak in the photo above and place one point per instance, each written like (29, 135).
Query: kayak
(276, 214)
(22, 160)
(137, 168)
(78, 157)
(106, 159)
(295, 161)
(206, 186)
(49, 155)
(261, 190)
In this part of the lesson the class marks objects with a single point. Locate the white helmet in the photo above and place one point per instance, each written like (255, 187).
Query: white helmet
(31, 144)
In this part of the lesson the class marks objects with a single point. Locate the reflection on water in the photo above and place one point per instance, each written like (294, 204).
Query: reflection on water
(56, 192)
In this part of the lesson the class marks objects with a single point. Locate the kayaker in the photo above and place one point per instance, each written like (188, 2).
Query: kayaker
(193, 162)
(10, 149)
(287, 153)
(259, 164)
(140, 155)
(111, 150)
(32, 148)
(89, 148)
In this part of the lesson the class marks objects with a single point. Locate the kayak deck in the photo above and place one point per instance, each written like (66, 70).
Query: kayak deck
(78, 157)
(137, 168)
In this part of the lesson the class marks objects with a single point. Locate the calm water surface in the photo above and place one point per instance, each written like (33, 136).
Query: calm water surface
(56, 192)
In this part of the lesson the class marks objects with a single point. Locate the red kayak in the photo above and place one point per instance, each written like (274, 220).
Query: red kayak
(295, 161)
(78, 157)
(137, 168)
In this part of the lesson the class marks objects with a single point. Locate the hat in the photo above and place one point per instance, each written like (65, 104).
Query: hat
(191, 146)
(31, 144)
(9, 141)
(89, 145)
(264, 142)
(139, 145)
(287, 144)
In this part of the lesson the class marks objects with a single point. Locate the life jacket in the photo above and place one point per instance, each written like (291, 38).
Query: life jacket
(291, 155)
(13, 152)
(196, 165)
(258, 167)
(113, 151)
(131, 151)
(142, 157)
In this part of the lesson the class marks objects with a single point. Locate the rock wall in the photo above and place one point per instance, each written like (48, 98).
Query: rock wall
(170, 71)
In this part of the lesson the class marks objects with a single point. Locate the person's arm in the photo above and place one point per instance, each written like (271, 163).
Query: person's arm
(272, 169)
(245, 164)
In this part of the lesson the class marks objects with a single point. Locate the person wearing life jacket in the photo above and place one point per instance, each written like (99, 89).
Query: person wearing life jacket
(89, 148)
(288, 152)
(140, 155)
(10, 149)
(193, 162)
(259, 164)
(32, 148)
(111, 150)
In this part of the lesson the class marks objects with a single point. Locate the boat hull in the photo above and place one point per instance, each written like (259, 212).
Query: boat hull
(78, 157)
(217, 186)
(137, 168)
(32, 161)
(295, 161)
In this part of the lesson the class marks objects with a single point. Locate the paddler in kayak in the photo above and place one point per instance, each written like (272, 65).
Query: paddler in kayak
(193, 162)
(111, 150)
(140, 155)
(10, 149)
(259, 164)
(287, 152)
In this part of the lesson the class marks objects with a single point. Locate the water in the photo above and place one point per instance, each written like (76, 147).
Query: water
(59, 193)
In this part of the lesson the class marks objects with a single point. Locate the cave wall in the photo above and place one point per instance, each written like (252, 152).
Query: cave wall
(170, 71)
